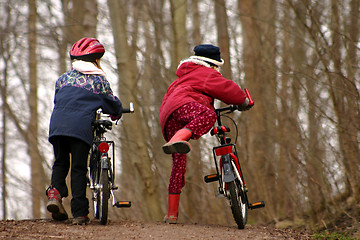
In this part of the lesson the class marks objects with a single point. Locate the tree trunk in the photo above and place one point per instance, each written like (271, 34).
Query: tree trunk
(80, 19)
(32, 137)
(179, 42)
(258, 57)
(285, 205)
(345, 98)
(136, 162)
(196, 33)
(223, 36)
(4, 141)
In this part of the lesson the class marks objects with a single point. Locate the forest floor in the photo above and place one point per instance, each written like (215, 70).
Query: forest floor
(49, 229)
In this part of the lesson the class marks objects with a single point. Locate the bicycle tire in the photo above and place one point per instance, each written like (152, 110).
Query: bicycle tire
(238, 205)
(94, 175)
(96, 204)
(104, 195)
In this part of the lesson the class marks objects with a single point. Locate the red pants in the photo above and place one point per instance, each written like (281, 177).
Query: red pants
(195, 117)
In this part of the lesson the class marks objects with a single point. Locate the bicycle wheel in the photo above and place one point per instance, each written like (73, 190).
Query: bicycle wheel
(96, 203)
(238, 205)
(104, 195)
(94, 179)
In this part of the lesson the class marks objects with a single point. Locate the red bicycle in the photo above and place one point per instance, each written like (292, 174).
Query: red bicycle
(228, 170)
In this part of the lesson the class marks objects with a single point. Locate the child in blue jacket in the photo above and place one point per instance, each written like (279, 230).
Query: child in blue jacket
(79, 93)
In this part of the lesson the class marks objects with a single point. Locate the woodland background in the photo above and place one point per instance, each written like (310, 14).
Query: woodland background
(299, 145)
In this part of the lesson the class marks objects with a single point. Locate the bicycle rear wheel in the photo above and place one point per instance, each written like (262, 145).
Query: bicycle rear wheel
(238, 204)
(103, 196)
(94, 183)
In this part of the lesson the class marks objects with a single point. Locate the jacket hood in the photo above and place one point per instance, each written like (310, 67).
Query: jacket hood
(189, 65)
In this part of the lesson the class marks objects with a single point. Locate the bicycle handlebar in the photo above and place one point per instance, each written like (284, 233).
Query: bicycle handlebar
(229, 108)
(232, 108)
(124, 110)
(130, 109)
(251, 102)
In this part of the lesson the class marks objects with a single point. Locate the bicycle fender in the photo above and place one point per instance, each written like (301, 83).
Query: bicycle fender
(104, 162)
(227, 169)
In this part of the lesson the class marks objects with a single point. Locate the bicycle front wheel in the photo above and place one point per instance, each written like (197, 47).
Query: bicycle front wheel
(104, 195)
(238, 205)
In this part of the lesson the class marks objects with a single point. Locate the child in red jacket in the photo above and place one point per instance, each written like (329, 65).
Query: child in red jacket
(187, 111)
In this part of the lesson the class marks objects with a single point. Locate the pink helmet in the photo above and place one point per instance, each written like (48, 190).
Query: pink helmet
(87, 49)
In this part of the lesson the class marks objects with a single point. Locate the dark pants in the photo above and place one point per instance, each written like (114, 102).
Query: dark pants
(64, 147)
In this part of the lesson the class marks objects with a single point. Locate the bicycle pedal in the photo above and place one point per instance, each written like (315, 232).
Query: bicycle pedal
(255, 205)
(123, 204)
(115, 187)
(211, 178)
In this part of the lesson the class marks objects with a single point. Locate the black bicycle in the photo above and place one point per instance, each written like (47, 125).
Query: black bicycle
(102, 169)
(228, 170)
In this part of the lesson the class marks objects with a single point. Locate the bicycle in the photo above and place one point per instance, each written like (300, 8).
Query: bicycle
(229, 176)
(102, 169)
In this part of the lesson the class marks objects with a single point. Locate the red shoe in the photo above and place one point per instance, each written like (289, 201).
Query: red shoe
(54, 204)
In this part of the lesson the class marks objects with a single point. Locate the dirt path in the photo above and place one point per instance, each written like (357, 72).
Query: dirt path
(49, 229)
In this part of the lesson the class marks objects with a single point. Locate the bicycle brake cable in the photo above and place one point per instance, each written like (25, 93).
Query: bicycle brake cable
(236, 128)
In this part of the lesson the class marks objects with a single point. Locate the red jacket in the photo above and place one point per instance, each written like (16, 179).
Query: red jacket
(198, 83)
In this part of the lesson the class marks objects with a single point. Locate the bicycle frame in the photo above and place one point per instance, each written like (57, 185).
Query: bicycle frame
(226, 151)
(106, 162)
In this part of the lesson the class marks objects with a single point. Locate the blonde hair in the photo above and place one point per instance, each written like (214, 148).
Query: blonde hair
(217, 68)
(97, 63)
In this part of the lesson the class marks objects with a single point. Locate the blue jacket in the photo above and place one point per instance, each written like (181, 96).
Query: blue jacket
(77, 98)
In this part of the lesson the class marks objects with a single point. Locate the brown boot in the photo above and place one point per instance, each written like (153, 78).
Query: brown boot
(179, 142)
(83, 220)
(172, 215)
(54, 204)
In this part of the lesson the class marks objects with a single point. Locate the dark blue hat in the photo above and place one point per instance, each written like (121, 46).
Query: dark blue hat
(210, 52)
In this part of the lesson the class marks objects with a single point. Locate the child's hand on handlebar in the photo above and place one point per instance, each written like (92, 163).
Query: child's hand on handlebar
(245, 106)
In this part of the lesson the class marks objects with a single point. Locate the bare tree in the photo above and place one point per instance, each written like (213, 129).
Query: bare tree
(179, 31)
(345, 97)
(32, 133)
(258, 57)
(135, 156)
(5, 58)
(196, 33)
(223, 36)
(4, 146)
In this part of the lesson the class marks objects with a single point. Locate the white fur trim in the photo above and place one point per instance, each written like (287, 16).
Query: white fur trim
(87, 68)
(217, 63)
(196, 61)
